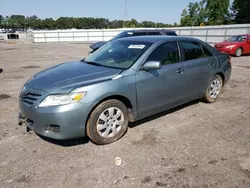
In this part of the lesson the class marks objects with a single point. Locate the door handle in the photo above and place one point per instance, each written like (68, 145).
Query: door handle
(211, 63)
(180, 70)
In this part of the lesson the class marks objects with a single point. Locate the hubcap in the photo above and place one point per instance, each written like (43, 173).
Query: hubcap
(238, 53)
(215, 88)
(110, 122)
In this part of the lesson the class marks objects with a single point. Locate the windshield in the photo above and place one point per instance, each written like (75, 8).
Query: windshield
(118, 54)
(239, 38)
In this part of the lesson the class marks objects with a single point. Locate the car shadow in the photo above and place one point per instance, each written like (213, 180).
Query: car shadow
(158, 115)
(66, 143)
(245, 55)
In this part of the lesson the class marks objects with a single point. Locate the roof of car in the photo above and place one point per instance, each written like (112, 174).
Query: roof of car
(157, 38)
(148, 30)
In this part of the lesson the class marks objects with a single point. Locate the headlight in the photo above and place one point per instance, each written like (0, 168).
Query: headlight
(63, 99)
(231, 46)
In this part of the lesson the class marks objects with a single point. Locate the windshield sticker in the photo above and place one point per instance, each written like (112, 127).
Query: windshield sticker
(140, 46)
(129, 33)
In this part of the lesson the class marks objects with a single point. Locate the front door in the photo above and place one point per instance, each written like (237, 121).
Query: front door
(164, 87)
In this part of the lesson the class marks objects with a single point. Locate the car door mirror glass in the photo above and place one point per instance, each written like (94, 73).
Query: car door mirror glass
(152, 65)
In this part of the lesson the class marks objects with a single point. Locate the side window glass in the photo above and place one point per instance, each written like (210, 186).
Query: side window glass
(153, 33)
(206, 52)
(166, 53)
(192, 50)
(139, 33)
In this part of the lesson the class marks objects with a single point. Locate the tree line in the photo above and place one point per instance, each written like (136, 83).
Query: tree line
(203, 12)
(20, 21)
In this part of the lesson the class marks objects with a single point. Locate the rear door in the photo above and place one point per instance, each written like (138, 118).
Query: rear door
(201, 65)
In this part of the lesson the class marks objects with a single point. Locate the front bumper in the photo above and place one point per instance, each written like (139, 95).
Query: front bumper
(60, 122)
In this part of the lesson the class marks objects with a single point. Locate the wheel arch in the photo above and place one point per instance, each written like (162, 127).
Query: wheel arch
(239, 47)
(222, 76)
(121, 98)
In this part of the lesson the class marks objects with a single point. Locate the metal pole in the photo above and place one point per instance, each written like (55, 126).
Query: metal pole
(207, 35)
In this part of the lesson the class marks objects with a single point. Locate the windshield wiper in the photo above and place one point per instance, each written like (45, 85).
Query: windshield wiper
(92, 63)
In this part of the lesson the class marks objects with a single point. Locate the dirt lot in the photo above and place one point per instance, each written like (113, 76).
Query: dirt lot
(195, 146)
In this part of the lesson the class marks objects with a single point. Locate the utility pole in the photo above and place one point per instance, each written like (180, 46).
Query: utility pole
(126, 13)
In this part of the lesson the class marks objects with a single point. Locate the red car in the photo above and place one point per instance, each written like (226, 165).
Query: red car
(235, 45)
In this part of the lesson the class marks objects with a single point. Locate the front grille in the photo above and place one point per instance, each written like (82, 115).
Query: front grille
(30, 97)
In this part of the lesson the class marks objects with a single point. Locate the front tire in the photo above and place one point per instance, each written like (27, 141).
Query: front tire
(108, 122)
(238, 52)
(214, 89)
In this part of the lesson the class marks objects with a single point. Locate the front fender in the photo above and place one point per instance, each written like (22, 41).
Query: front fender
(123, 86)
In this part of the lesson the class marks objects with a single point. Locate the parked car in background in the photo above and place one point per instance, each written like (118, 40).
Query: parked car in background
(126, 80)
(235, 45)
(130, 33)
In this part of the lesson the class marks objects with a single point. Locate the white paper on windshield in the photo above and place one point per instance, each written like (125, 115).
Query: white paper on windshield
(130, 33)
(138, 46)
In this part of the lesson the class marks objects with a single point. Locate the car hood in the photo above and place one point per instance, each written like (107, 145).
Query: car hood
(223, 44)
(68, 76)
(97, 45)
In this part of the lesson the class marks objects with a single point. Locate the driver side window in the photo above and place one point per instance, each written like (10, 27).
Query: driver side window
(166, 53)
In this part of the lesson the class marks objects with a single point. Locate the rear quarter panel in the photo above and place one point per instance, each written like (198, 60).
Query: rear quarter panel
(224, 66)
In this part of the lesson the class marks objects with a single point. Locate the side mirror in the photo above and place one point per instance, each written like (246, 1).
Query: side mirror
(151, 65)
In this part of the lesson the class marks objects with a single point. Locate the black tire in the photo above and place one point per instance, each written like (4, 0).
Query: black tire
(207, 98)
(238, 52)
(91, 128)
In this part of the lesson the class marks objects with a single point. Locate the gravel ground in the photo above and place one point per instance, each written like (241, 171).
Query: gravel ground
(194, 146)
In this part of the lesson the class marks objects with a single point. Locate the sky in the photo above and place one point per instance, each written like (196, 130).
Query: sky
(166, 11)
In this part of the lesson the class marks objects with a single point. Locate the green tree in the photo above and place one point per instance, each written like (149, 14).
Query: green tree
(217, 11)
(48, 23)
(116, 24)
(194, 14)
(20, 21)
(1, 21)
(148, 24)
(32, 21)
(240, 11)
(131, 23)
(17, 21)
(101, 23)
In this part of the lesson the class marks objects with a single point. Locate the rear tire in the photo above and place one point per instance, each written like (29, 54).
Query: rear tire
(108, 122)
(238, 52)
(214, 89)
